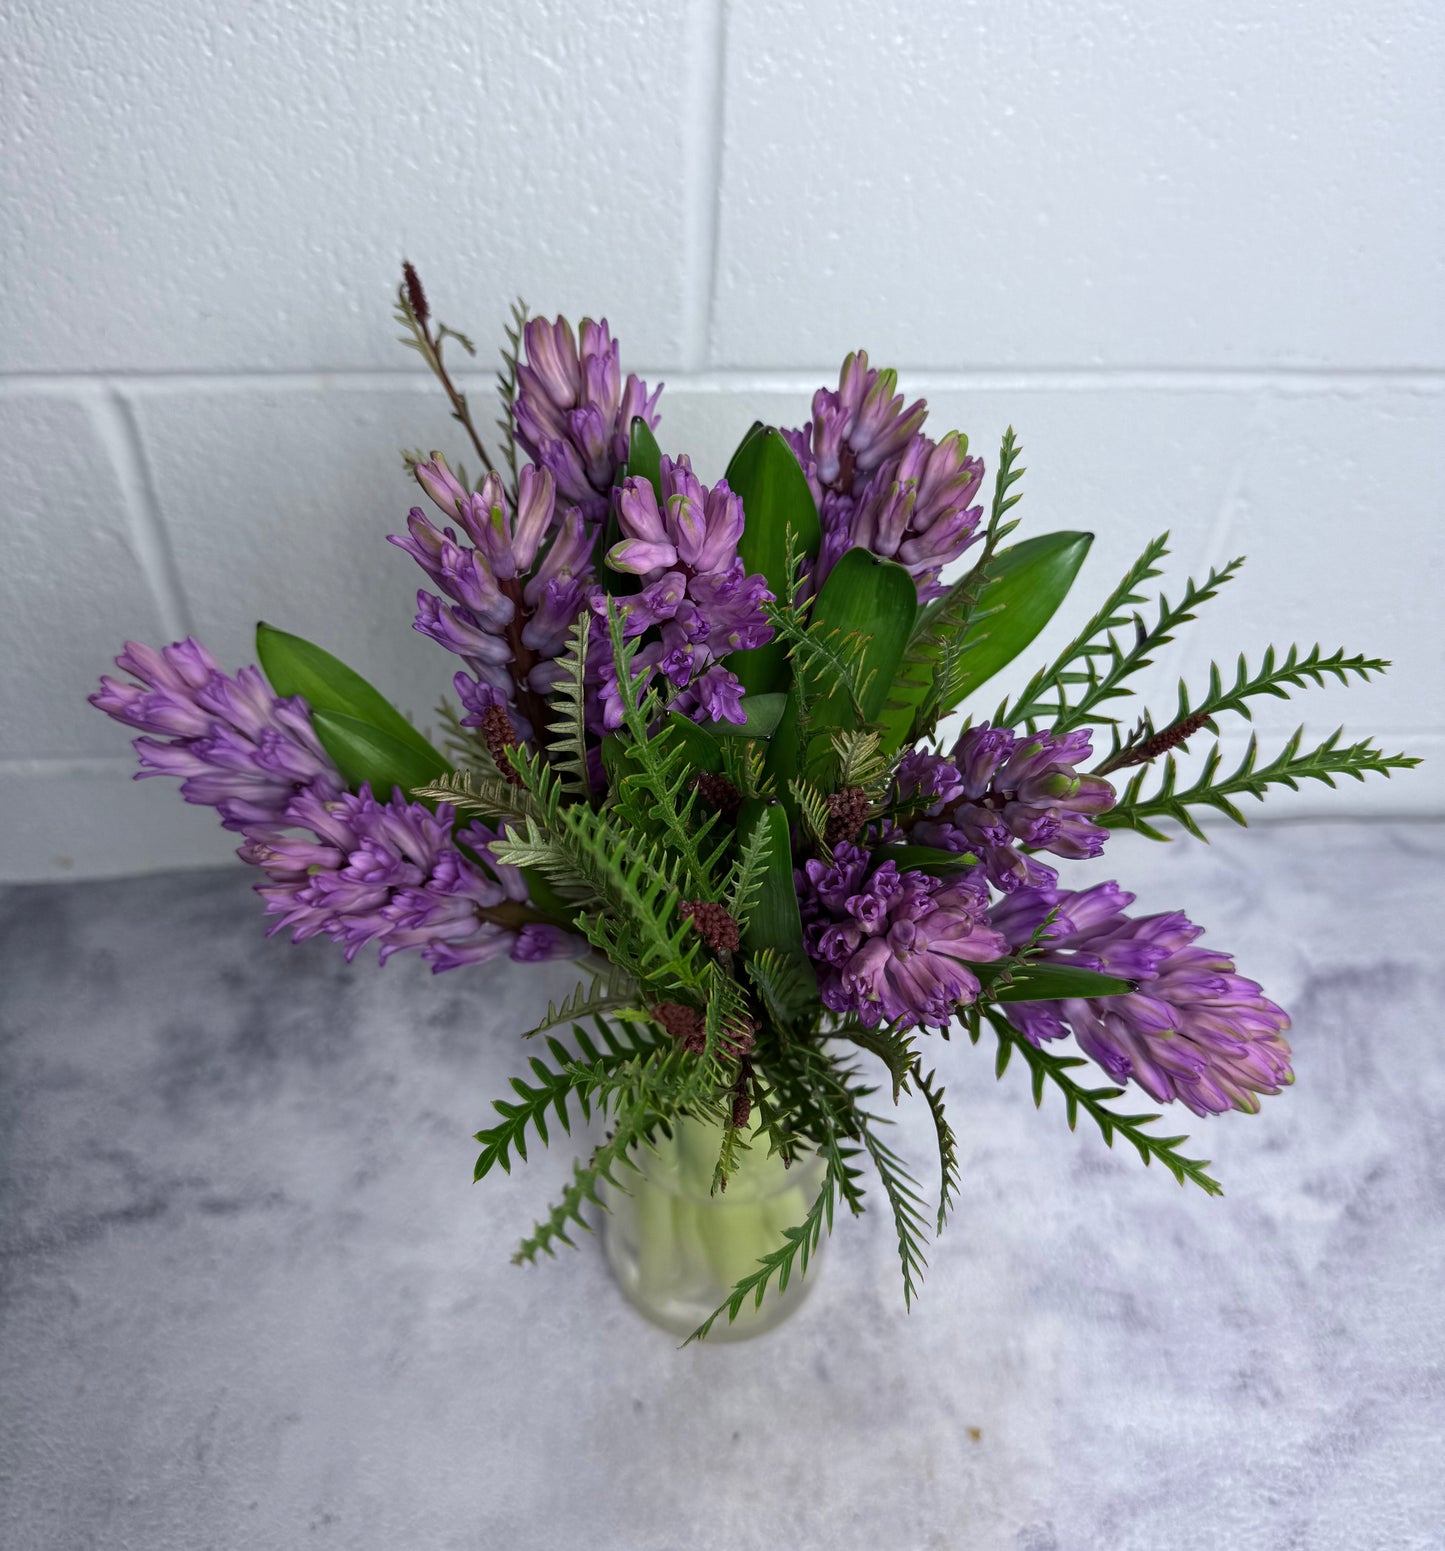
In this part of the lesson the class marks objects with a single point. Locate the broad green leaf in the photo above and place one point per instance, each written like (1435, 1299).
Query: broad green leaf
(774, 921)
(762, 714)
(702, 750)
(1054, 982)
(294, 666)
(928, 859)
(1026, 585)
(876, 600)
(363, 753)
(776, 499)
(644, 456)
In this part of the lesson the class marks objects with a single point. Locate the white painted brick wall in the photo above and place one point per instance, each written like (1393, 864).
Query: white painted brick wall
(1195, 256)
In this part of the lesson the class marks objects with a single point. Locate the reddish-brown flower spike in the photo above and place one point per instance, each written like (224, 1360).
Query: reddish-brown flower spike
(718, 792)
(499, 735)
(715, 926)
(848, 810)
(683, 1023)
(742, 1103)
(1162, 742)
(414, 293)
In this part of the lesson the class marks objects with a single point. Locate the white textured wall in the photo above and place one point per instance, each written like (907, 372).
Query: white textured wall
(1193, 254)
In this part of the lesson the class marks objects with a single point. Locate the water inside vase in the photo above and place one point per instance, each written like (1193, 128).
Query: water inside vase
(677, 1250)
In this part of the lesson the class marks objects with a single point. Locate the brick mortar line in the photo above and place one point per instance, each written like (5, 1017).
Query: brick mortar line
(763, 380)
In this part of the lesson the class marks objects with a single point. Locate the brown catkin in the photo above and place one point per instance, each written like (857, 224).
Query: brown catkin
(685, 1024)
(499, 735)
(718, 792)
(414, 293)
(714, 925)
(1162, 742)
(848, 811)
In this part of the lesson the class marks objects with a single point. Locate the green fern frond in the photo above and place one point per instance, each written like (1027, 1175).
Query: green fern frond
(862, 762)
(744, 883)
(621, 1047)
(662, 773)
(825, 659)
(787, 988)
(484, 794)
(1045, 1066)
(813, 810)
(567, 732)
(1275, 678)
(901, 1191)
(947, 1143)
(634, 1122)
(893, 1047)
(799, 1245)
(743, 761)
(611, 991)
(1107, 664)
(1042, 696)
(1289, 767)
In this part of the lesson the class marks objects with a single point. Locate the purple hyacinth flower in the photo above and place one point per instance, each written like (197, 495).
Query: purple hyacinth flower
(233, 745)
(894, 947)
(696, 599)
(516, 579)
(1011, 791)
(573, 411)
(1195, 1030)
(362, 872)
(880, 484)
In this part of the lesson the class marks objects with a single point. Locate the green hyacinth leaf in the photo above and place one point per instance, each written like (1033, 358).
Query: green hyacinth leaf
(774, 921)
(1028, 583)
(1053, 982)
(644, 456)
(866, 608)
(955, 647)
(776, 502)
(295, 666)
(365, 754)
(761, 715)
(702, 748)
(929, 859)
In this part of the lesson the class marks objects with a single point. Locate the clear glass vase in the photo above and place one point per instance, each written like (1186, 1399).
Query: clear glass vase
(677, 1250)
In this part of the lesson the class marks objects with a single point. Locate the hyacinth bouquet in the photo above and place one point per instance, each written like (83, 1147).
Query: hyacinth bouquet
(695, 746)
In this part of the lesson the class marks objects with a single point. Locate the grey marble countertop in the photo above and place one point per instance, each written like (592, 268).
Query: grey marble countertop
(249, 1296)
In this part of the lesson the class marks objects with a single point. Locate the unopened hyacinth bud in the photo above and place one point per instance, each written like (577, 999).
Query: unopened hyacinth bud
(1193, 1029)
(574, 412)
(916, 510)
(860, 425)
(999, 791)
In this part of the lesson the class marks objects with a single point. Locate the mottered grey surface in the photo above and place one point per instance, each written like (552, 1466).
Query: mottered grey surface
(249, 1296)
